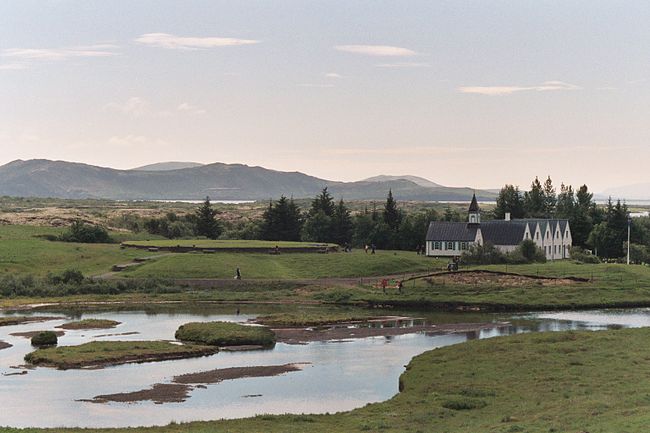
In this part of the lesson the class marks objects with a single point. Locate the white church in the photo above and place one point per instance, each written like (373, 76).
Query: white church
(451, 239)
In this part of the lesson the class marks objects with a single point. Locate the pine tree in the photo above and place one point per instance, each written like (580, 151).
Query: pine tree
(342, 224)
(392, 215)
(206, 221)
(534, 202)
(322, 203)
(509, 200)
(565, 207)
(550, 200)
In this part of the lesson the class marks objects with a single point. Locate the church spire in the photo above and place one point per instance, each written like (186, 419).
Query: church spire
(474, 212)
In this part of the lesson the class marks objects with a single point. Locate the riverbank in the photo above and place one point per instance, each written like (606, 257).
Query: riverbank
(565, 381)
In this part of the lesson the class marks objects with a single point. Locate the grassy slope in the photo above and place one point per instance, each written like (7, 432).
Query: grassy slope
(23, 253)
(549, 382)
(284, 266)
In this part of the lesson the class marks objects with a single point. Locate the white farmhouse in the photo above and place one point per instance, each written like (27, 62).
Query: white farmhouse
(451, 239)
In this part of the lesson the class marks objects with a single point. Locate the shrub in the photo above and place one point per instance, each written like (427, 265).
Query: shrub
(581, 255)
(463, 403)
(85, 233)
(485, 254)
(45, 338)
(527, 252)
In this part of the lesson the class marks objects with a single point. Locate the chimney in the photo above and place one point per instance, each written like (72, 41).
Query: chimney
(507, 218)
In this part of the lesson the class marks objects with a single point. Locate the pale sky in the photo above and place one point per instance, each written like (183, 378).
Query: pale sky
(476, 93)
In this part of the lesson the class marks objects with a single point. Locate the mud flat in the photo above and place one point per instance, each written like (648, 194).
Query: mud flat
(30, 334)
(21, 320)
(90, 324)
(179, 389)
(4, 345)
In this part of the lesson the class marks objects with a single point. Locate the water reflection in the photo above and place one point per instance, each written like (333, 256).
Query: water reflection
(339, 376)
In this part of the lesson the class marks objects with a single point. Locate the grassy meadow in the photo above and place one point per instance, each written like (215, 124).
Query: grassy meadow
(584, 381)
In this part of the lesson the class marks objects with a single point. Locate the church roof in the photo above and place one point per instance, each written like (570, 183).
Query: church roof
(451, 231)
(473, 206)
(503, 232)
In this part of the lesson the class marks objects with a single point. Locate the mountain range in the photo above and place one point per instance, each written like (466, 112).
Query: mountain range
(191, 181)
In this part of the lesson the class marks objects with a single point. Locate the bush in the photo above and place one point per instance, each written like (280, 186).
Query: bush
(45, 338)
(527, 252)
(485, 254)
(69, 276)
(463, 403)
(85, 233)
(581, 255)
(225, 334)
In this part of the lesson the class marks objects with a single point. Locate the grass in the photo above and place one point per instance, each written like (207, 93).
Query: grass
(100, 353)
(536, 383)
(284, 266)
(23, 250)
(225, 334)
(90, 324)
(216, 244)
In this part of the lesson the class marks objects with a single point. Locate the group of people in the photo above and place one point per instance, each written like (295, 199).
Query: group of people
(399, 286)
(370, 247)
(420, 250)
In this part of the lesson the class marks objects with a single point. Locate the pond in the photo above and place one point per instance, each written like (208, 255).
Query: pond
(334, 376)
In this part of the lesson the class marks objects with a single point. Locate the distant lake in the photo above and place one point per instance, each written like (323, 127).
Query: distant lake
(201, 201)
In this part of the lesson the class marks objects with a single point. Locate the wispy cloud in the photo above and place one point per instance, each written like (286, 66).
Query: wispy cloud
(508, 90)
(403, 65)
(186, 107)
(376, 50)
(134, 107)
(12, 66)
(166, 40)
(316, 85)
(333, 75)
(98, 50)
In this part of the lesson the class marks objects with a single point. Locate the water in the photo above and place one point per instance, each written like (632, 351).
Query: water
(340, 375)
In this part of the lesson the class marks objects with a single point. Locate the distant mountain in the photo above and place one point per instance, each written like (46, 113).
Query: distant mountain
(171, 165)
(415, 179)
(639, 191)
(61, 179)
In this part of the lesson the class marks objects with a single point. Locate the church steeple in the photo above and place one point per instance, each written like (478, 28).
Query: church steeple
(474, 212)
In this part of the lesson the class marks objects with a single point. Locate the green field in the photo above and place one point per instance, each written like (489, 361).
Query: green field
(216, 244)
(284, 266)
(24, 251)
(585, 381)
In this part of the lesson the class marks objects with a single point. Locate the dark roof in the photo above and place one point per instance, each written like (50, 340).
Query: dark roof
(503, 232)
(451, 231)
(473, 206)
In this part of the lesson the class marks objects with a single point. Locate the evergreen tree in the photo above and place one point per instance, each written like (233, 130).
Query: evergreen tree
(282, 221)
(323, 202)
(550, 200)
(392, 215)
(206, 221)
(509, 200)
(534, 201)
(342, 226)
(565, 207)
(451, 214)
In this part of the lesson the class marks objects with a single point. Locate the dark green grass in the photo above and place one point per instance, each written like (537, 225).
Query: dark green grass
(90, 324)
(225, 334)
(585, 381)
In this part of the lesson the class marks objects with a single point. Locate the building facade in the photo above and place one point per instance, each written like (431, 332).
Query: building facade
(451, 239)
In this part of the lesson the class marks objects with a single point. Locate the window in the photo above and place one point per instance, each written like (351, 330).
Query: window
(437, 245)
(537, 235)
(450, 245)
(463, 246)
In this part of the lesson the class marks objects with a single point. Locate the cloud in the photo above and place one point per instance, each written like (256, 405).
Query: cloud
(189, 108)
(376, 50)
(508, 90)
(333, 75)
(134, 107)
(98, 50)
(316, 85)
(165, 40)
(13, 66)
(404, 65)
(129, 141)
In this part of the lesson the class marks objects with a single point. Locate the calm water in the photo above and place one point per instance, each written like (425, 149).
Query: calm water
(340, 376)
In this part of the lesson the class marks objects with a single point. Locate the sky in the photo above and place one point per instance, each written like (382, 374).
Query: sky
(464, 93)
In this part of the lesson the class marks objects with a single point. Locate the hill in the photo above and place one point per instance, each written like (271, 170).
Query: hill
(639, 191)
(61, 179)
(171, 165)
(415, 179)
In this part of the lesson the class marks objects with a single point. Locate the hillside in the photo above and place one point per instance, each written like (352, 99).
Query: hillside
(171, 165)
(415, 179)
(61, 179)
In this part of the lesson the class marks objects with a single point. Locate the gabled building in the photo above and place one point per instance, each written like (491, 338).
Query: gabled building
(451, 239)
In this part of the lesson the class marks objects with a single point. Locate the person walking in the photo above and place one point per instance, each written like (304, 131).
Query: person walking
(238, 274)
(372, 249)
(365, 248)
